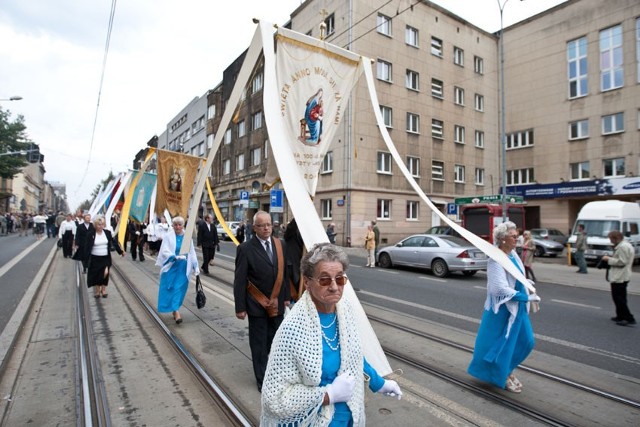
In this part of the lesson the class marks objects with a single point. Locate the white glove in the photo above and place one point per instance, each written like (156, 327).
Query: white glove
(181, 257)
(137, 233)
(391, 388)
(534, 298)
(341, 389)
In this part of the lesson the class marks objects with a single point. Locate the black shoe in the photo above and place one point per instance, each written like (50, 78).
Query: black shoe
(615, 319)
(631, 322)
(259, 388)
(622, 323)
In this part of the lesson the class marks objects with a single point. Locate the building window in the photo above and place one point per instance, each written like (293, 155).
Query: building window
(520, 139)
(383, 210)
(580, 171)
(256, 85)
(613, 167)
(210, 139)
(384, 70)
(611, 71)
(436, 47)
(413, 164)
(579, 129)
(458, 95)
(384, 25)
(412, 80)
(384, 162)
(201, 149)
(413, 123)
(437, 128)
(520, 176)
(478, 65)
(613, 123)
(479, 102)
(577, 67)
(327, 163)
(226, 167)
(479, 176)
(638, 50)
(459, 134)
(330, 22)
(256, 156)
(326, 208)
(437, 88)
(227, 137)
(437, 170)
(387, 116)
(458, 56)
(479, 139)
(256, 121)
(211, 111)
(458, 173)
(411, 36)
(412, 209)
(240, 162)
(242, 129)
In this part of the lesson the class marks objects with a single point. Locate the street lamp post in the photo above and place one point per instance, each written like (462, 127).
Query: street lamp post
(503, 136)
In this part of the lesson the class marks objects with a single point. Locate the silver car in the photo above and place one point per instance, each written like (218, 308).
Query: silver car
(439, 253)
(233, 226)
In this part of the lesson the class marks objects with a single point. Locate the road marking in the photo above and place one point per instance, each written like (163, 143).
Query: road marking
(484, 288)
(576, 304)
(434, 279)
(18, 258)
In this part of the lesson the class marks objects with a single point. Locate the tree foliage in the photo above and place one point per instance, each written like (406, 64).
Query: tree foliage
(13, 138)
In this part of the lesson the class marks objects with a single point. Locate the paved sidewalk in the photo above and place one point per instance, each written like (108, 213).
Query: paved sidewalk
(552, 270)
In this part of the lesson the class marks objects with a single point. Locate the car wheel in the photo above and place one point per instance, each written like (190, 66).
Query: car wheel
(384, 260)
(469, 273)
(439, 268)
(539, 251)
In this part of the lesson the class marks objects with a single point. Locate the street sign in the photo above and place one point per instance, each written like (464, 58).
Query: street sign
(277, 197)
(495, 198)
(244, 198)
(452, 209)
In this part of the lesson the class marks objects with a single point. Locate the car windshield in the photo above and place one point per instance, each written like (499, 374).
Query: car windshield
(455, 242)
(598, 228)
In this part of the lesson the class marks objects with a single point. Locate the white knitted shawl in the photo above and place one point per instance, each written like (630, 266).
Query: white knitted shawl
(501, 288)
(291, 394)
(168, 249)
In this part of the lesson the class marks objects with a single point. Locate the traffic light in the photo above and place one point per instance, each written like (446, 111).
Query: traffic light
(34, 155)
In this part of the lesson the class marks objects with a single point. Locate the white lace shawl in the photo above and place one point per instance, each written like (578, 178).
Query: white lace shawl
(290, 391)
(501, 288)
(168, 249)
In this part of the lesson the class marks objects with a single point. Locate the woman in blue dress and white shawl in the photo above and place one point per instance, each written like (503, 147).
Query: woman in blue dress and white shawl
(176, 270)
(505, 337)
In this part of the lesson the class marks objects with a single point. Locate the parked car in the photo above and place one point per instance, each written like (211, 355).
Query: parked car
(441, 254)
(549, 234)
(442, 230)
(547, 247)
(233, 226)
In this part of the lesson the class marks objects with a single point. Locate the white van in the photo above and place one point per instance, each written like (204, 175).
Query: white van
(599, 218)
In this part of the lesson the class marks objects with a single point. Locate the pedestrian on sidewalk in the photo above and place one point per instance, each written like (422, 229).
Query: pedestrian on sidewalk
(376, 233)
(581, 246)
(505, 337)
(619, 275)
(528, 251)
(176, 270)
(370, 246)
(97, 251)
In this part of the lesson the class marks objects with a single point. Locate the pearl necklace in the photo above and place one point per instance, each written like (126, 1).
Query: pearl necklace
(328, 340)
(330, 324)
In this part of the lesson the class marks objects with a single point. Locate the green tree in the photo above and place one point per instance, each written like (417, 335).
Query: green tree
(13, 138)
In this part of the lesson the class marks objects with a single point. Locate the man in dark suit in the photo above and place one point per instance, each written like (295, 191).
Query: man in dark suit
(208, 240)
(138, 239)
(257, 263)
(82, 231)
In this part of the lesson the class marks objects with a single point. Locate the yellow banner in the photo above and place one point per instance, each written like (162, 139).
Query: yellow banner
(176, 178)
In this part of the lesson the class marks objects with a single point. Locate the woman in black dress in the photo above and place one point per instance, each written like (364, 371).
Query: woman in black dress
(98, 252)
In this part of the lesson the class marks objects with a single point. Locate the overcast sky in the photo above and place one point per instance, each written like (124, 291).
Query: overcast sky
(162, 54)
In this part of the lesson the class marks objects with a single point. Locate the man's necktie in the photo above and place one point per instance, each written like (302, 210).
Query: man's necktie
(268, 249)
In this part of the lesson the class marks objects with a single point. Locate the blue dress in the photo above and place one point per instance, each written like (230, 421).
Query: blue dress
(495, 356)
(173, 283)
(331, 365)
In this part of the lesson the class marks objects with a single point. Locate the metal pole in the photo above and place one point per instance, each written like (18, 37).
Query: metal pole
(347, 231)
(503, 136)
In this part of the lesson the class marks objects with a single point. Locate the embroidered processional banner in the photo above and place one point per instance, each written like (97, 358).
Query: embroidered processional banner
(313, 85)
(142, 196)
(176, 177)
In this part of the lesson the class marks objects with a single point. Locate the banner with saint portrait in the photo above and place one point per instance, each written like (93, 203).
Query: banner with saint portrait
(314, 83)
(176, 178)
(142, 196)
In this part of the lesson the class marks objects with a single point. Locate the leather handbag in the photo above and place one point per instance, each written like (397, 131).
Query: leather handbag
(201, 298)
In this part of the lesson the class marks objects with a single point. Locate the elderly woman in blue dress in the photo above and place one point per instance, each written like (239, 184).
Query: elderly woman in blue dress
(505, 337)
(315, 374)
(176, 270)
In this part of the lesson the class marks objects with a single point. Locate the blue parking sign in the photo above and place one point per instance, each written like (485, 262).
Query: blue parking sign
(452, 209)
(276, 200)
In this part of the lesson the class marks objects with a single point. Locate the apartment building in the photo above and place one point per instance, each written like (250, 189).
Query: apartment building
(573, 108)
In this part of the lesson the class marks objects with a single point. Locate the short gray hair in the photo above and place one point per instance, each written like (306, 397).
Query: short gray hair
(177, 220)
(501, 230)
(322, 252)
(98, 218)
